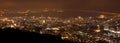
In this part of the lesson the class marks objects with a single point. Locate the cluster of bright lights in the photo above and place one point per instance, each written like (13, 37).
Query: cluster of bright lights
(112, 31)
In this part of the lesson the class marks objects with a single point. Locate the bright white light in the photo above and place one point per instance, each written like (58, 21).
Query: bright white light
(118, 32)
(48, 28)
(112, 31)
(55, 28)
(44, 21)
(106, 29)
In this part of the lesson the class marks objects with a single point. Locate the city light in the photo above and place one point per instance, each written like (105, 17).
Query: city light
(102, 16)
(75, 29)
(12, 26)
(97, 30)
(79, 21)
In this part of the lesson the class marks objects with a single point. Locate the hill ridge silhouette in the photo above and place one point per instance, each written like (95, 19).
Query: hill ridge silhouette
(14, 35)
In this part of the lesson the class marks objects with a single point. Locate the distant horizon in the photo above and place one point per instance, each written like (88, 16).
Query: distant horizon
(71, 8)
(62, 14)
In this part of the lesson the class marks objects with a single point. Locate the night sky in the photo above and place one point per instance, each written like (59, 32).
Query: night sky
(71, 8)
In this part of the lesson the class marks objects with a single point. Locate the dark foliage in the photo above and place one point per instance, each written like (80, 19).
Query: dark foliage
(14, 35)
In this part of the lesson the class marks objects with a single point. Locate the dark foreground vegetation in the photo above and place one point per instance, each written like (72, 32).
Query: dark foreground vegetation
(14, 35)
(10, 35)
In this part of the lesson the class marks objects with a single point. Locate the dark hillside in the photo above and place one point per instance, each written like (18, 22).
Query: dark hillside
(13, 35)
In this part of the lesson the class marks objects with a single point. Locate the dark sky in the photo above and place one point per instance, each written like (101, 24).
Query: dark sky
(71, 7)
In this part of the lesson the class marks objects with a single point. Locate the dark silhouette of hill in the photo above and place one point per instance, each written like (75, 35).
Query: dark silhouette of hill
(14, 35)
